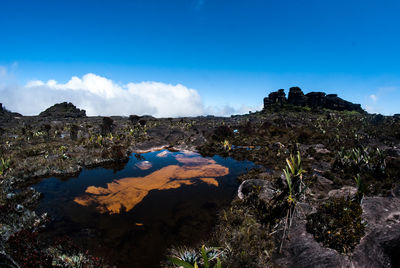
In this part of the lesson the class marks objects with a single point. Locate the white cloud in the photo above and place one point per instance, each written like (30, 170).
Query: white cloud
(382, 100)
(101, 96)
(373, 97)
(371, 109)
(230, 110)
(3, 71)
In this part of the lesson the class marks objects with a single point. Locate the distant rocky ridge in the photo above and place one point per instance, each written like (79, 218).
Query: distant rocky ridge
(63, 110)
(4, 113)
(313, 99)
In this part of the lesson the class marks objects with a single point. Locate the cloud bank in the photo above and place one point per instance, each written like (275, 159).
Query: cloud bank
(101, 96)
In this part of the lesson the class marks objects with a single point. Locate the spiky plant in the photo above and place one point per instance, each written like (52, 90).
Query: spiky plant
(4, 165)
(189, 258)
(361, 187)
(187, 255)
(294, 178)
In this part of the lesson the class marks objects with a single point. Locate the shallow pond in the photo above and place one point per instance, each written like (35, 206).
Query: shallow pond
(131, 216)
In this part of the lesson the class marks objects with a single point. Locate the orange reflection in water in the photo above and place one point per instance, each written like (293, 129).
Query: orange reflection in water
(126, 193)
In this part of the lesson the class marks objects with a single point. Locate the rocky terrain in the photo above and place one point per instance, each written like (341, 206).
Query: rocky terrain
(326, 192)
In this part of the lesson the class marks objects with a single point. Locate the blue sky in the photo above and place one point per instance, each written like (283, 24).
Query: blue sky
(232, 53)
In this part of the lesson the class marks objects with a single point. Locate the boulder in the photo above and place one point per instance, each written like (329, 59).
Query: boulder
(345, 192)
(263, 189)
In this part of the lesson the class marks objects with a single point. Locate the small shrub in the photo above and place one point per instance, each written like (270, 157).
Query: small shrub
(337, 224)
(26, 250)
(247, 241)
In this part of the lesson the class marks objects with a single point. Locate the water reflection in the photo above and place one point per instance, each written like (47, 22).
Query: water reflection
(124, 194)
(144, 165)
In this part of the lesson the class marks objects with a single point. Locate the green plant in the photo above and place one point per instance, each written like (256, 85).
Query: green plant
(192, 259)
(62, 149)
(289, 182)
(227, 145)
(361, 187)
(99, 140)
(4, 165)
(363, 158)
(337, 224)
(210, 254)
(294, 177)
(39, 134)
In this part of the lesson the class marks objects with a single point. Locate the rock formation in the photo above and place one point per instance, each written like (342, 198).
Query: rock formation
(63, 110)
(7, 115)
(277, 97)
(296, 97)
(313, 99)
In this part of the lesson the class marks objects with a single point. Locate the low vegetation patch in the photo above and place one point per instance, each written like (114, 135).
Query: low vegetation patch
(337, 224)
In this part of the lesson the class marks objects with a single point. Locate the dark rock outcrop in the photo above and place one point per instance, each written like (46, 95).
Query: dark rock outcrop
(63, 110)
(313, 99)
(335, 103)
(277, 97)
(316, 99)
(296, 97)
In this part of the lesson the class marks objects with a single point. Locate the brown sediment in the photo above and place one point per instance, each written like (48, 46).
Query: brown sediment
(210, 181)
(126, 193)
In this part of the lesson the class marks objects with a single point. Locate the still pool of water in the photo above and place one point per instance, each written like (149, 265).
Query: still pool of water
(131, 216)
